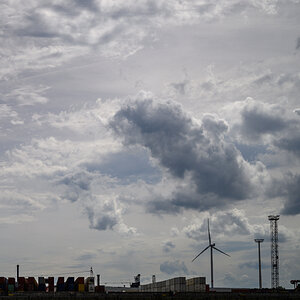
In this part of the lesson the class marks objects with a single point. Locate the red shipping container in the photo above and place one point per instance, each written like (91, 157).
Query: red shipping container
(50, 284)
(60, 280)
(80, 280)
(11, 280)
(21, 284)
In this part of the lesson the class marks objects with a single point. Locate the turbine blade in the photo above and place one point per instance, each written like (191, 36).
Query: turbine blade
(209, 239)
(220, 251)
(201, 252)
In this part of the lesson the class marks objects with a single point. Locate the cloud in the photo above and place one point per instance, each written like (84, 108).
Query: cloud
(53, 170)
(174, 267)
(264, 130)
(211, 171)
(290, 143)
(168, 246)
(298, 43)
(254, 265)
(288, 187)
(241, 280)
(107, 214)
(225, 224)
(258, 119)
(50, 34)
(16, 219)
(7, 113)
(27, 95)
(101, 222)
(174, 231)
(21, 202)
(87, 256)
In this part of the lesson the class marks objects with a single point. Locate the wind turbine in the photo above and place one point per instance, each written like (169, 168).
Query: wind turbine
(211, 246)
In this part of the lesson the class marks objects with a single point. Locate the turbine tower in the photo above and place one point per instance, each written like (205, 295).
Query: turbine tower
(274, 251)
(211, 246)
(258, 241)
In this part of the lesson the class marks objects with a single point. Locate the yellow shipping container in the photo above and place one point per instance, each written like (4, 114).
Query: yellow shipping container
(80, 287)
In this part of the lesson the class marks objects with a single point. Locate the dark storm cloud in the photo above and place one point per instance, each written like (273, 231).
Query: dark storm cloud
(257, 120)
(291, 144)
(266, 124)
(102, 221)
(288, 188)
(214, 169)
(173, 267)
(291, 188)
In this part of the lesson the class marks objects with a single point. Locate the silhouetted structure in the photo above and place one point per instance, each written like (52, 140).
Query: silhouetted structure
(211, 246)
(258, 241)
(274, 251)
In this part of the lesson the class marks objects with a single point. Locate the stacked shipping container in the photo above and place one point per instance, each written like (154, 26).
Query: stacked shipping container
(21, 284)
(70, 284)
(79, 284)
(196, 284)
(11, 284)
(178, 284)
(31, 284)
(47, 285)
(42, 284)
(3, 283)
(50, 282)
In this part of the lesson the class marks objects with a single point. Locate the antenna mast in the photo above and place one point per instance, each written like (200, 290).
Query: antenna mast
(274, 251)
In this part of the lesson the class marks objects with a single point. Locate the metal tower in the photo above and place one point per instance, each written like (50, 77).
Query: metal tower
(274, 251)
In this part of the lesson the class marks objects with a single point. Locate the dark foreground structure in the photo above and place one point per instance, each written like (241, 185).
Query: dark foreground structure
(158, 296)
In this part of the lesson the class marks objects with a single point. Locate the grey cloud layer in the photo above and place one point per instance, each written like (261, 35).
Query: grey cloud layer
(174, 267)
(52, 33)
(214, 171)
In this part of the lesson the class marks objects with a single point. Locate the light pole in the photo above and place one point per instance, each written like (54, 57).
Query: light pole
(258, 241)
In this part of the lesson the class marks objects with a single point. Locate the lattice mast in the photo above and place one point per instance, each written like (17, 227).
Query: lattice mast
(274, 251)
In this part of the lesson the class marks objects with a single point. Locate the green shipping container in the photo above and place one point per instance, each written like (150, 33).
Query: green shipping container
(11, 287)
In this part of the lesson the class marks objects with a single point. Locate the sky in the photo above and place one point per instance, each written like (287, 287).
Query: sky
(125, 125)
